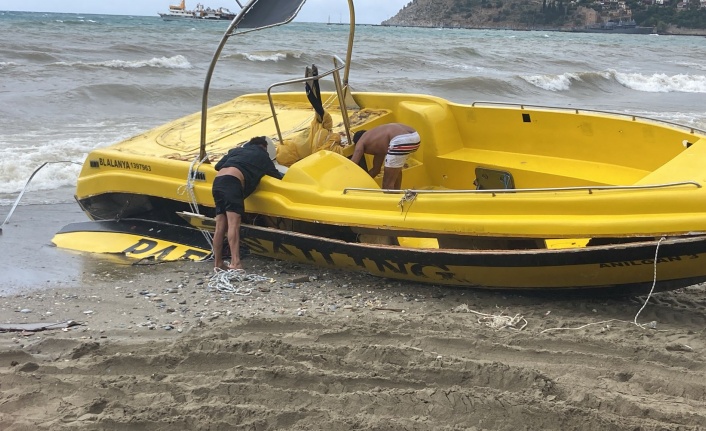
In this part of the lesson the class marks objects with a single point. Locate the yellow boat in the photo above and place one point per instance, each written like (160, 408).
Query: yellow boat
(498, 196)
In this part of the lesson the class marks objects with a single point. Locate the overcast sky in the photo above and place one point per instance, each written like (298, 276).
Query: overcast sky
(366, 11)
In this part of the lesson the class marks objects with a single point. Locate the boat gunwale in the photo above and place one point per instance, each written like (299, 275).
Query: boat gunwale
(580, 111)
(527, 190)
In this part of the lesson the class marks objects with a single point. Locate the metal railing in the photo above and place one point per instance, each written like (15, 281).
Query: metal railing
(340, 92)
(493, 192)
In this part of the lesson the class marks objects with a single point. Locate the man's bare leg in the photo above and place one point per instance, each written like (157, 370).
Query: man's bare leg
(218, 235)
(392, 178)
(398, 182)
(234, 239)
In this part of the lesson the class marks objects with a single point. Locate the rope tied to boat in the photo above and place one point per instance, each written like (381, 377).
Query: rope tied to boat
(409, 196)
(188, 189)
(649, 325)
(223, 281)
(653, 324)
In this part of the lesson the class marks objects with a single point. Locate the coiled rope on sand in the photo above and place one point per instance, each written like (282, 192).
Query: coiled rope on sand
(222, 280)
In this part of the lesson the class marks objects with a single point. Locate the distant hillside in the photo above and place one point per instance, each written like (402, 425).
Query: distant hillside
(465, 13)
(671, 17)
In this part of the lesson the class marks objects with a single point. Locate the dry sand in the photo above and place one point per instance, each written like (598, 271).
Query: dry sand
(157, 350)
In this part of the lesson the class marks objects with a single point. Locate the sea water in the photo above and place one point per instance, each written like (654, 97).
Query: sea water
(70, 83)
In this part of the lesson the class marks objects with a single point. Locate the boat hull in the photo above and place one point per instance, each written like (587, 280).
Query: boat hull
(618, 268)
(625, 269)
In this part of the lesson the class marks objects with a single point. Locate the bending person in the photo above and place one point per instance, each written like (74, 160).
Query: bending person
(392, 143)
(239, 173)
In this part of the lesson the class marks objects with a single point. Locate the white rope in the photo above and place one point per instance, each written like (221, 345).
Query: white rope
(650, 325)
(188, 188)
(409, 197)
(222, 281)
(27, 184)
(582, 326)
(496, 321)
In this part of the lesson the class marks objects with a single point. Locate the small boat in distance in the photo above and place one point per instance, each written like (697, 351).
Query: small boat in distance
(179, 12)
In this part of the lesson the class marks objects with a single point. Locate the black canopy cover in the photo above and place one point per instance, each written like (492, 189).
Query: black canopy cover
(266, 13)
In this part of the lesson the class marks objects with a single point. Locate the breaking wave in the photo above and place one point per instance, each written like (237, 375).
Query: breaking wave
(22, 154)
(655, 83)
(176, 62)
(262, 56)
(564, 81)
(17, 164)
(662, 83)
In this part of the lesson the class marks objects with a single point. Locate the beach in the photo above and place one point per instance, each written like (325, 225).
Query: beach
(151, 346)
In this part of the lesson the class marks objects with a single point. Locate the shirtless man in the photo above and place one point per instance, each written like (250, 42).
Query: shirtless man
(392, 143)
(239, 173)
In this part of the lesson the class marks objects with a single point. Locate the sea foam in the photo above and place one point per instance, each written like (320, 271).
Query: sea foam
(268, 55)
(662, 83)
(21, 155)
(655, 83)
(553, 82)
(176, 62)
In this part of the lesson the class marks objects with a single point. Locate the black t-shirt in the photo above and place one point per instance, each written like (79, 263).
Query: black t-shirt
(253, 161)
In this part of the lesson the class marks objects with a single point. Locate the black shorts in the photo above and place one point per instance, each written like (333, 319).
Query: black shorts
(228, 194)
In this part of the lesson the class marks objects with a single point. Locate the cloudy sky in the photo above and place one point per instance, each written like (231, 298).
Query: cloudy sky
(367, 11)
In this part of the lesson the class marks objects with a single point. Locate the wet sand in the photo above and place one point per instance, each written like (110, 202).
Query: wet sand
(28, 260)
(319, 349)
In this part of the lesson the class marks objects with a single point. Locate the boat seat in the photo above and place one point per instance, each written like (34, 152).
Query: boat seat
(687, 166)
(531, 170)
(329, 171)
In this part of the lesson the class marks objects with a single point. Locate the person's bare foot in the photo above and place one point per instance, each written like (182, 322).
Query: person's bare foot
(235, 265)
(222, 267)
